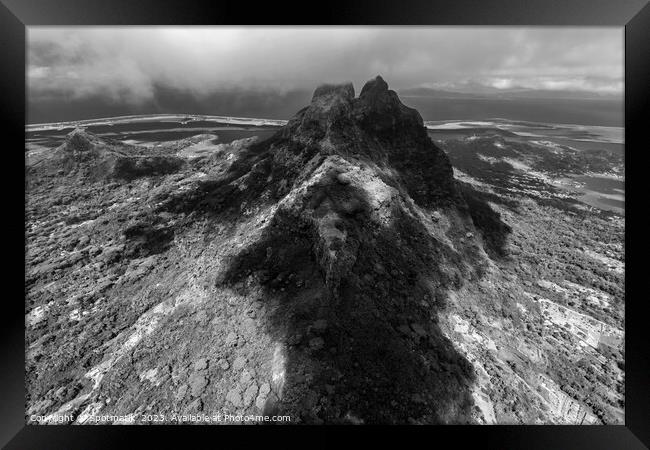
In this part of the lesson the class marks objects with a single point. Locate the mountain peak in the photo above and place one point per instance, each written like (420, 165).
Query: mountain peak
(80, 140)
(374, 87)
(376, 126)
(344, 90)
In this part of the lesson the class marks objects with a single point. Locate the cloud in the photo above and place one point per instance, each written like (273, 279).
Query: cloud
(128, 64)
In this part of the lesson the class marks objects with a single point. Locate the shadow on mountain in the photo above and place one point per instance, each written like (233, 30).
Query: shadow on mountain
(362, 341)
(495, 231)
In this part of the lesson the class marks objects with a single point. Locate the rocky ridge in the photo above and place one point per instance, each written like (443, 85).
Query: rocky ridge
(310, 274)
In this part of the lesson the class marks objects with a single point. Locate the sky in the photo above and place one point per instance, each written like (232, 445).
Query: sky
(128, 68)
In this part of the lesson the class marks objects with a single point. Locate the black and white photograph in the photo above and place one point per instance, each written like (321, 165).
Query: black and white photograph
(324, 225)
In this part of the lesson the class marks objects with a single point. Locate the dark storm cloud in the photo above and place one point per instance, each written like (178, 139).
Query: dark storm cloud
(129, 65)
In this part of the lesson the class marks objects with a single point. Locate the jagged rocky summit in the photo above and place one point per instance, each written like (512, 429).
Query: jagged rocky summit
(375, 127)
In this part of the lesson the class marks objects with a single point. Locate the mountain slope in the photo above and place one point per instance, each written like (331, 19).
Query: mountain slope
(304, 275)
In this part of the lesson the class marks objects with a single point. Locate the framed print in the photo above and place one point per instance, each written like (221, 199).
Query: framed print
(392, 216)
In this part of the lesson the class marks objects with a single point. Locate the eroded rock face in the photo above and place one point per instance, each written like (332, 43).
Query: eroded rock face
(327, 222)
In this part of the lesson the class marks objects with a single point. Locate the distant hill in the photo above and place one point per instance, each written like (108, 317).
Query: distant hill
(487, 93)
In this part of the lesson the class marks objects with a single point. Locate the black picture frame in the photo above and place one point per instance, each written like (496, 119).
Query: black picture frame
(16, 15)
